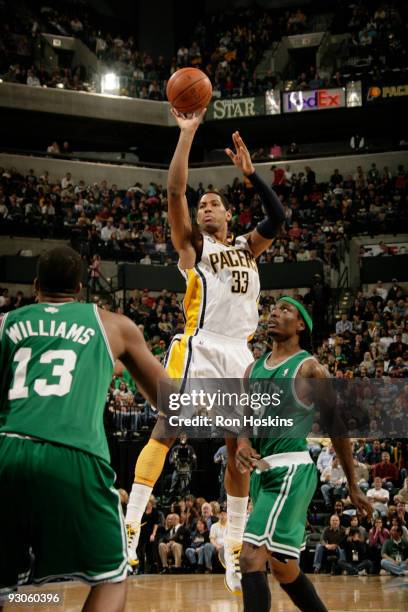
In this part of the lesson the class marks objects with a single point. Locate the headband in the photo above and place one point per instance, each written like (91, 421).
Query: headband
(305, 315)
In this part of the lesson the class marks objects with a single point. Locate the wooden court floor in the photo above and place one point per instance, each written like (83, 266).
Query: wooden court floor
(208, 594)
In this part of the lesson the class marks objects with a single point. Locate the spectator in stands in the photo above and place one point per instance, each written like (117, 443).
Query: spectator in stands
(218, 531)
(395, 291)
(343, 325)
(397, 348)
(387, 472)
(107, 231)
(33, 80)
(333, 479)
(95, 274)
(293, 149)
(355, 524)
(182, 56)
(207, 515)
(402, 495)
(336, 179)
(331, 543)
(67, 181)
(197, 553)
(356, 560)
(54, 148)
(380, 289)
(339, 511)
(278, 177)
(172, 542)
(395, 553)
(377, 535)
(146, 260)
(66, 148)
(325, 458)
(125, 412)
(374, 455)
(276, 152)
(149, 526)
(379, 497)
(310, 178)
(394, 521)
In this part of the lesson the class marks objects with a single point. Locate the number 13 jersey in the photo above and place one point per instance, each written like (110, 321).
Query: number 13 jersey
(55, 369)
(222, 290)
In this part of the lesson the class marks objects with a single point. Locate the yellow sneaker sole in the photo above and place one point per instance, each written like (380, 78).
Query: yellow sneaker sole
(236, 592)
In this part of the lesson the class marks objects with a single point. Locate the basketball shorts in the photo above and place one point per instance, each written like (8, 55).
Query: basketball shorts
(281, 497)
(207, 355)
(60, 516)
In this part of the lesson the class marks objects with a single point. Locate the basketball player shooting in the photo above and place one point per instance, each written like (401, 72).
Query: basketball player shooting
(220, 305)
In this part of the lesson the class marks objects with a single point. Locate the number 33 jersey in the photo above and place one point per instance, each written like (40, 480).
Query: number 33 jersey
(55, 369)
(222, 290)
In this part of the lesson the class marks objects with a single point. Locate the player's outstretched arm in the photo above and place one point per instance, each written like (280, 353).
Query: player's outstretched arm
(128, 345)
(260, 238)
(182, 235)
(324, 397)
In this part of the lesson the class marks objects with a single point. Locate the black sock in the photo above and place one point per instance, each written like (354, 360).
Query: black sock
(303, 594)
(255, 589)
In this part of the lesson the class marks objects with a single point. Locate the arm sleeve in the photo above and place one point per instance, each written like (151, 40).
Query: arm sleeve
(275, 214)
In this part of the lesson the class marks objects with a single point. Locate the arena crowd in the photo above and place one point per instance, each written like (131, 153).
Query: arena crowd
(222, 44)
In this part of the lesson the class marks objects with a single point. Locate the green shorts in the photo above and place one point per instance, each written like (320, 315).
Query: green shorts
(281, 497)
(60, 516)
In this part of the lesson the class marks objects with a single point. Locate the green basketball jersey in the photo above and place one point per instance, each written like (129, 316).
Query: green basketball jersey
(285, 439)
(55, 369)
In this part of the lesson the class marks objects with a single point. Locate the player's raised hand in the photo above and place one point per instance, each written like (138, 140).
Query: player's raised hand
(241, 158)
(188, 122)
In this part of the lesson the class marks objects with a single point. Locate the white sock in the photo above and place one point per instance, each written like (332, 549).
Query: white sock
(236, 518)
(138, 498)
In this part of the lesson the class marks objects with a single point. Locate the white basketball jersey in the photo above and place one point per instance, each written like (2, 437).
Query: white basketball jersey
(222, 290)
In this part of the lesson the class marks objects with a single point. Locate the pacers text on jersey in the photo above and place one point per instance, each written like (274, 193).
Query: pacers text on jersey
(62, 329)
(232, 258)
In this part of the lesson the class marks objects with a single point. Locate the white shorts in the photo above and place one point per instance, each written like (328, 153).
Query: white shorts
(207, 355)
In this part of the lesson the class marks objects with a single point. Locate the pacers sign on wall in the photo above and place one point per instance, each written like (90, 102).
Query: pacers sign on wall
(376, 93)
(318, 99)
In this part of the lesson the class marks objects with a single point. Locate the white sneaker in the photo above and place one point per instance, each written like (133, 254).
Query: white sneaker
(133, 533)
(232, 570)
(362, 572)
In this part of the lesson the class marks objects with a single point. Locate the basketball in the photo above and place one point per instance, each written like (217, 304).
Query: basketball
(189, 90)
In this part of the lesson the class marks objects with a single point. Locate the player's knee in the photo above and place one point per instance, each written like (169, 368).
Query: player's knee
(246, 564)
(285, 572)
(249, 560)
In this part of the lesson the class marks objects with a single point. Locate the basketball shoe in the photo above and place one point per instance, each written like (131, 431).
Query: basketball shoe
(229, 559)
(133, 532)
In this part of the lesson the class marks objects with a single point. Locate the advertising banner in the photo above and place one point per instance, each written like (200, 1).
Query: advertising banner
(272, 102)
(377, 93)
(236, 107)
(318, 99)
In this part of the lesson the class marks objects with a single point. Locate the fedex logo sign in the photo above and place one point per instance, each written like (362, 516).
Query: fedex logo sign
(298, 101)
